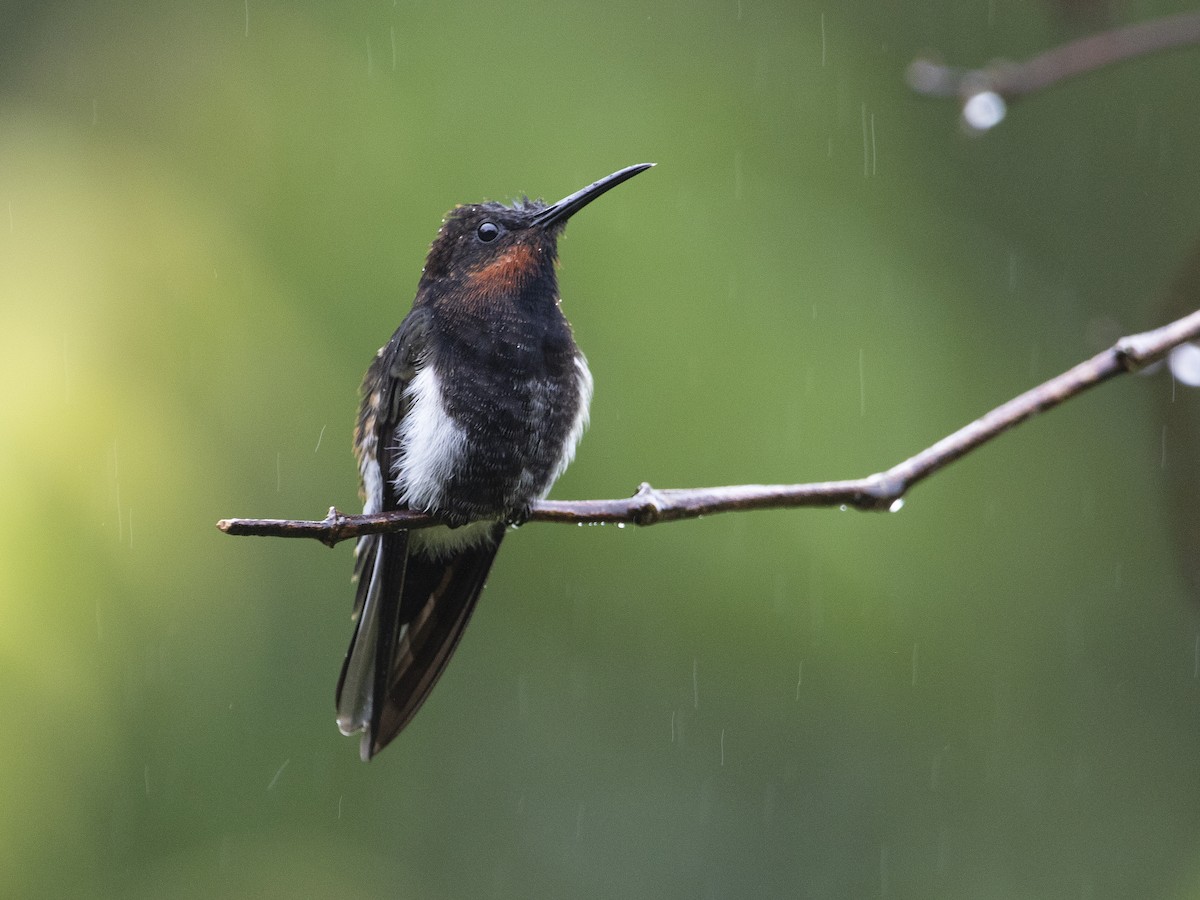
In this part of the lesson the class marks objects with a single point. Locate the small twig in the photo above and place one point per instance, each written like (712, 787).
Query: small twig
(984, 91)
(880, 491)
(1012, 80)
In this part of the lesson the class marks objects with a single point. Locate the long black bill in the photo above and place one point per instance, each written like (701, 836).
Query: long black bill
(568, 206)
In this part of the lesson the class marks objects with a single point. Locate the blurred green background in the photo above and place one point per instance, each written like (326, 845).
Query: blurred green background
(212, 214)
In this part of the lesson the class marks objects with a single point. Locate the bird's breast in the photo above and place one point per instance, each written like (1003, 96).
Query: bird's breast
(483, 442)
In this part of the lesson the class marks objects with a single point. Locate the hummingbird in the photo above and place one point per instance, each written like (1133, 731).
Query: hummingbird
(470, 413)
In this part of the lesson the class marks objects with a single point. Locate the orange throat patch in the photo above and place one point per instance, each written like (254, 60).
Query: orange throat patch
(506, 273)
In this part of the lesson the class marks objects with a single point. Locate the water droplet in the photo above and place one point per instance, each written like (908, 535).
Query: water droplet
(1185, 364)
(984, 111)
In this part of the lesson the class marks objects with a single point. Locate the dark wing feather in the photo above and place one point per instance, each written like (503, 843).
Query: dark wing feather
(380, 559)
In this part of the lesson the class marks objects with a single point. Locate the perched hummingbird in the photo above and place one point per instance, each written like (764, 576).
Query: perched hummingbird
(470, 412)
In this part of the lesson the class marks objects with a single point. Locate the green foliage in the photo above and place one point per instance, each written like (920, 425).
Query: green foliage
(212, 214)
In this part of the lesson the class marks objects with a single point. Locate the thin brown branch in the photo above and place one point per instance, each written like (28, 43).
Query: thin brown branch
(880, 491)
(1011, 80)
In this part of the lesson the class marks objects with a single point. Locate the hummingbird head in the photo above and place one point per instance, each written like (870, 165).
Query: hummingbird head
(489, 249)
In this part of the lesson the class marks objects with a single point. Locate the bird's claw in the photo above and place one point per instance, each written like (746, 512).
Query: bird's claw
(520, 516)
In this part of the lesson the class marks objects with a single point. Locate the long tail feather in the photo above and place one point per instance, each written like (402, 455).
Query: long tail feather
(439, 597)
(411, 613)
(380, 570)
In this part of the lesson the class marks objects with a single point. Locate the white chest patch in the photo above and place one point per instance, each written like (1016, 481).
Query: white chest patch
(431, 444)
(583, 378)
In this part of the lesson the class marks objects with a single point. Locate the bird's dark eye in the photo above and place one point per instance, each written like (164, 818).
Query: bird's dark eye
(488, 231)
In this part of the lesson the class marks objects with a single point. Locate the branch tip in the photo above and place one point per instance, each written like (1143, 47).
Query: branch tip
(1011, 80)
